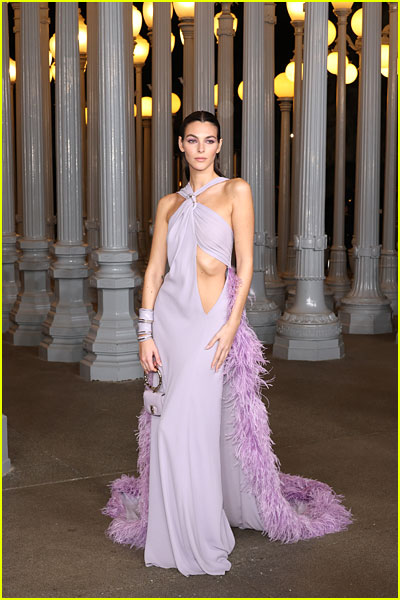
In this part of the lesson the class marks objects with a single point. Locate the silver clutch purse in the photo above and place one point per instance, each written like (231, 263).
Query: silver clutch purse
(153, 396)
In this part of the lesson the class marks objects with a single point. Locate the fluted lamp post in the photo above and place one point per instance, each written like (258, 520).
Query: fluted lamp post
(356, 25)
(33, 300)
(82, 36)
(204, 50)
(337, 279)
(47, 127)
(388, 260)
(216, 24)
(148, 19)
(18, 119)
(365, 310)
(13, 78)
(140, 53)
(308, 330)
(9, 251)
(111, 346)
(296, 12)
(68, 319)
(264, 312)
(284, 91)
(147, 112)
(135, 201)
(275, 288)
(225, 34)
(185, 12)
(161, 141)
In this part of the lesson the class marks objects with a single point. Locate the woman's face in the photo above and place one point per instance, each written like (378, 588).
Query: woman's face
(200, 144)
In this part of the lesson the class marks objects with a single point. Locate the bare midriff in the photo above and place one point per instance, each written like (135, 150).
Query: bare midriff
(210, 270)
(210, 278)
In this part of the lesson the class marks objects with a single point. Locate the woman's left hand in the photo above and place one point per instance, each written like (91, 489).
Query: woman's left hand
(225, 336)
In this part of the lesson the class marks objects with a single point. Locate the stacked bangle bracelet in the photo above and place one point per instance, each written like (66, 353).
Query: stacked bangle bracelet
(145, 320)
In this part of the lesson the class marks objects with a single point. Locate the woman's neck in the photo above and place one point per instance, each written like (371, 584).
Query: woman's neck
(197, 180)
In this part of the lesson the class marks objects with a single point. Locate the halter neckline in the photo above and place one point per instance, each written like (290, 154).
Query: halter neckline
(190, 191)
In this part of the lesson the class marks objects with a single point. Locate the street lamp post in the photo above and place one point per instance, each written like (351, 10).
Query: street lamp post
(337, 278)
(284, 90)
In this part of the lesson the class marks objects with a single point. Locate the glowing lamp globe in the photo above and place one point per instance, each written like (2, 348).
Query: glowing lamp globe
(13, 70)
(148, 14)
(240, 90)
(290, 70)
(172, 42)
(184, 10)
(140, 51)
(216, 95)
(52, 45)
(351, 73)
(331, 32)
(283, 87)
(147, 106)
(384, 56)
(82, 36)
(342, 4)
(137, 21)
(295, 10)
(175, 103)
(356, 22)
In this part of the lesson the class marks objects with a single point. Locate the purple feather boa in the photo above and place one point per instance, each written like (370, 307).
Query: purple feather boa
(290, 507)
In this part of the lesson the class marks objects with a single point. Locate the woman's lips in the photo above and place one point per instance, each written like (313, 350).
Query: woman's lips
(201, 159)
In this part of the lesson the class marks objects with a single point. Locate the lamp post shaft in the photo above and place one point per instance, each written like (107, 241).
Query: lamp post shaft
(337, 279)
(264, 313)
(388, 261)
(364, 309)
(308, 330)
(204, 56)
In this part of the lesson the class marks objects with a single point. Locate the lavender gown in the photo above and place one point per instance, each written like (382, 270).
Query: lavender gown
(207, 463)
(187, 526)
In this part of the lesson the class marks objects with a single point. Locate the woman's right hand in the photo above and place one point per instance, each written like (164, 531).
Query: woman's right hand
(149, 356)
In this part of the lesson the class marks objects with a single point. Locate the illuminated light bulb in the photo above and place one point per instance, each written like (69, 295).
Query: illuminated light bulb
(283, 87)
(356, 22)
(351, 73)
(147, 106)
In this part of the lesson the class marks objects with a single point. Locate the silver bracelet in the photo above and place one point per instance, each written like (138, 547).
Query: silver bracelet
(144, 338)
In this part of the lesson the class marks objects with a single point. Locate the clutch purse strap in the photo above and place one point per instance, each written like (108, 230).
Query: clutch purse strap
(157, 387)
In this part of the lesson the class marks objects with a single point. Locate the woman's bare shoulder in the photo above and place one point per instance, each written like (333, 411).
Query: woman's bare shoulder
(237, 187)
(167, 202)
(168, 199)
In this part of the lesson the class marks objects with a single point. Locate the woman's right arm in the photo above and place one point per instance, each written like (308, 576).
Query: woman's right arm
(154, 276)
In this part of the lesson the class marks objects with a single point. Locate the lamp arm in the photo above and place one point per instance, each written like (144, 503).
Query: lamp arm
(350, 42)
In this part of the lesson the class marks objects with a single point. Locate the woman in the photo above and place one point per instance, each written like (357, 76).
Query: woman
(207, 463)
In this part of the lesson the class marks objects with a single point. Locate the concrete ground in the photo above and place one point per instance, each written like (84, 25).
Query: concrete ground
(334, 421)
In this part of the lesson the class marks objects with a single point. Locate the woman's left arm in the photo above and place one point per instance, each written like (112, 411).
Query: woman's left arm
(243, 228)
